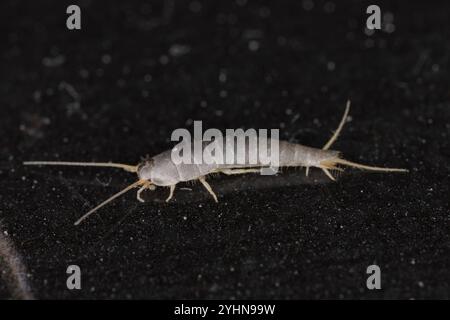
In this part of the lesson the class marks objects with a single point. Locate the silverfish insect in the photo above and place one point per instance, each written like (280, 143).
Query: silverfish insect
(160, 170)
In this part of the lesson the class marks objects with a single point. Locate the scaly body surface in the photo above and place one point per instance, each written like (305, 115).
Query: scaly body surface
(161, 170)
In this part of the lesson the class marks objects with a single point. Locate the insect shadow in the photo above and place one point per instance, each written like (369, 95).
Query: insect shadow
(229, 185)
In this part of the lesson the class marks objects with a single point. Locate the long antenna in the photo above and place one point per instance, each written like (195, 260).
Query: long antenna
(338, 130)
(125, 167)
(366, 167)
(118, 194)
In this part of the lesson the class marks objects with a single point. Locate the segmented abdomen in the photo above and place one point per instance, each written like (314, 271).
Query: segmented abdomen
(170, 168)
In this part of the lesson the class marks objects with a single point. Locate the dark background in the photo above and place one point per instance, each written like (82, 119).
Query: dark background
(115, 91)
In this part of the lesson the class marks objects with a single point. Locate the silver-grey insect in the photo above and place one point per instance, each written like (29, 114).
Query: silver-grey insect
(160, 170)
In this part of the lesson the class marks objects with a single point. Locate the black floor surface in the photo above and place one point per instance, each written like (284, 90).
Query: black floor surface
(116, 90)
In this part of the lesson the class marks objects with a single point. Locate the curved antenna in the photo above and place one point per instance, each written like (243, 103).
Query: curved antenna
(118, 194)
(338, 130)
(125, 167)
